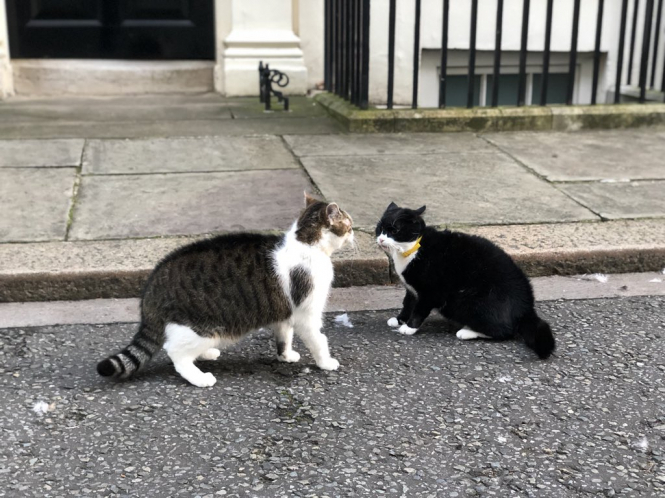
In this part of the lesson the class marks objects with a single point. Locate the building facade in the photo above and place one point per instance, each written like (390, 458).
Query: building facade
(58, 47)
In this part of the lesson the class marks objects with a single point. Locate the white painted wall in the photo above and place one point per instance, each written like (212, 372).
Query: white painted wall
(460, 15)
(6, 78)
(311, 31)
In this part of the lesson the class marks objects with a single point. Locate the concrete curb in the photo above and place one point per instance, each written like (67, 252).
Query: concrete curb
(118, 268)
(556, 118)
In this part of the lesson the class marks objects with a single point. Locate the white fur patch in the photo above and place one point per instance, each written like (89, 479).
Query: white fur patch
(393, 322)
(466, 334)
(395, 251)
(307, 318)
(406, 330)
(289, 356)
(210, 354)
(328, 364)
(184, 346)
(314, 259)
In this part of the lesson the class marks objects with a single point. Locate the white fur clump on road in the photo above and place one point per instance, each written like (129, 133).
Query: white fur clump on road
(41, 407)
(344, 320)
(641, 444)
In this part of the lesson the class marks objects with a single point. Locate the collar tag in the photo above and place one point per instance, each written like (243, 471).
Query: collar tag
(415, 247)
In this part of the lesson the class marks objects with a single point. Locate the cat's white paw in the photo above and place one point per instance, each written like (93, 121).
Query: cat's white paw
(211, 354)
(393, 322)
(328, 364)
(203, 380)
(406, 330)
(289, 357)
(468, 334)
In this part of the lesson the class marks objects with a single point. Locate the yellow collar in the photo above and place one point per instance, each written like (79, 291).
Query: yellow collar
(415, 247)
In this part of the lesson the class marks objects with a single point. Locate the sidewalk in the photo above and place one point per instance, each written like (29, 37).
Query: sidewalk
(94, 192)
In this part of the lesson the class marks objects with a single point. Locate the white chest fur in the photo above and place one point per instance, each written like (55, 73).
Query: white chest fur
(400, 264)
(294, 254)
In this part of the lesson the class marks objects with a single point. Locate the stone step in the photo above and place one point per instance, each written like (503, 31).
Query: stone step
(100, 77)
(118, 268)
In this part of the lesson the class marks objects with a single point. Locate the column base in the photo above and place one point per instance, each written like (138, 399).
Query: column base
(237, 73)
(6, 80)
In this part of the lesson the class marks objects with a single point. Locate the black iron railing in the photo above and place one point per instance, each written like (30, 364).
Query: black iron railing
(347, 24)
(346, 60)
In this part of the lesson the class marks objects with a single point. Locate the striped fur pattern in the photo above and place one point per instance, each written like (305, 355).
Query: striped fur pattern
(211, 293)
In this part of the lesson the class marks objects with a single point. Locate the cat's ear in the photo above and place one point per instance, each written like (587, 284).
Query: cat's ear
(392, 206)
(309, 200)
(333, 212)
(420, 210)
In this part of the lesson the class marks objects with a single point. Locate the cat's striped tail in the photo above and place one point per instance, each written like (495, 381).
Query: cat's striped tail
(145, 344)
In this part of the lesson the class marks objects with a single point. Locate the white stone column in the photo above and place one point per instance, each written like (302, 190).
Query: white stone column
(6, 78)
(258, 31)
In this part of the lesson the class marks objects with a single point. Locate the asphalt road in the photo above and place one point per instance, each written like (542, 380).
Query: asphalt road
(427, 415)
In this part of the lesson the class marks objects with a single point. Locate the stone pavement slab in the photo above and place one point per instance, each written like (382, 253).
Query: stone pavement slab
(189, 128)
(162, 155)
(189, 203)
(106, 113)
(298, 107)
(588, 155)
(391, 144)
(35, 203)
(621, 200)
(464, 188)
(34, 153)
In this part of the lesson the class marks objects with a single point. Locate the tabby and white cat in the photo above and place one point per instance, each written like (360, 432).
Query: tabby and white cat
(211, 293)
(467, 278)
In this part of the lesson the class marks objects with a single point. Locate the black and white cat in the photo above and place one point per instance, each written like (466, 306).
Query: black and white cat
(211, 293)
(467, 278)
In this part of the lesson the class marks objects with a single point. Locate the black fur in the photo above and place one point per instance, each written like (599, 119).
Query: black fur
(468, 279)
(301, 284)
(281, 347)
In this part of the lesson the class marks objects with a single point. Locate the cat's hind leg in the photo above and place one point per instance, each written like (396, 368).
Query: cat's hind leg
(184, 346)
(466, 334)
(210, 354)
(284, 338)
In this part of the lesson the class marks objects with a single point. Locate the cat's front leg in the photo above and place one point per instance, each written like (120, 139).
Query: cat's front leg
(284, 338)
(308, 327)
(421, 311)
(407, 308)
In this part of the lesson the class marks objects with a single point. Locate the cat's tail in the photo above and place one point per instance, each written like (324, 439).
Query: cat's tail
(537, 334)
(145, 344)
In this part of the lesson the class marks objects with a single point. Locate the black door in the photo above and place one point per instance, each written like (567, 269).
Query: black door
(111, 29)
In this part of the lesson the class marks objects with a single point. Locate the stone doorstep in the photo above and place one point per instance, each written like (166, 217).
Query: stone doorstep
(487, 119)
(118, 268)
